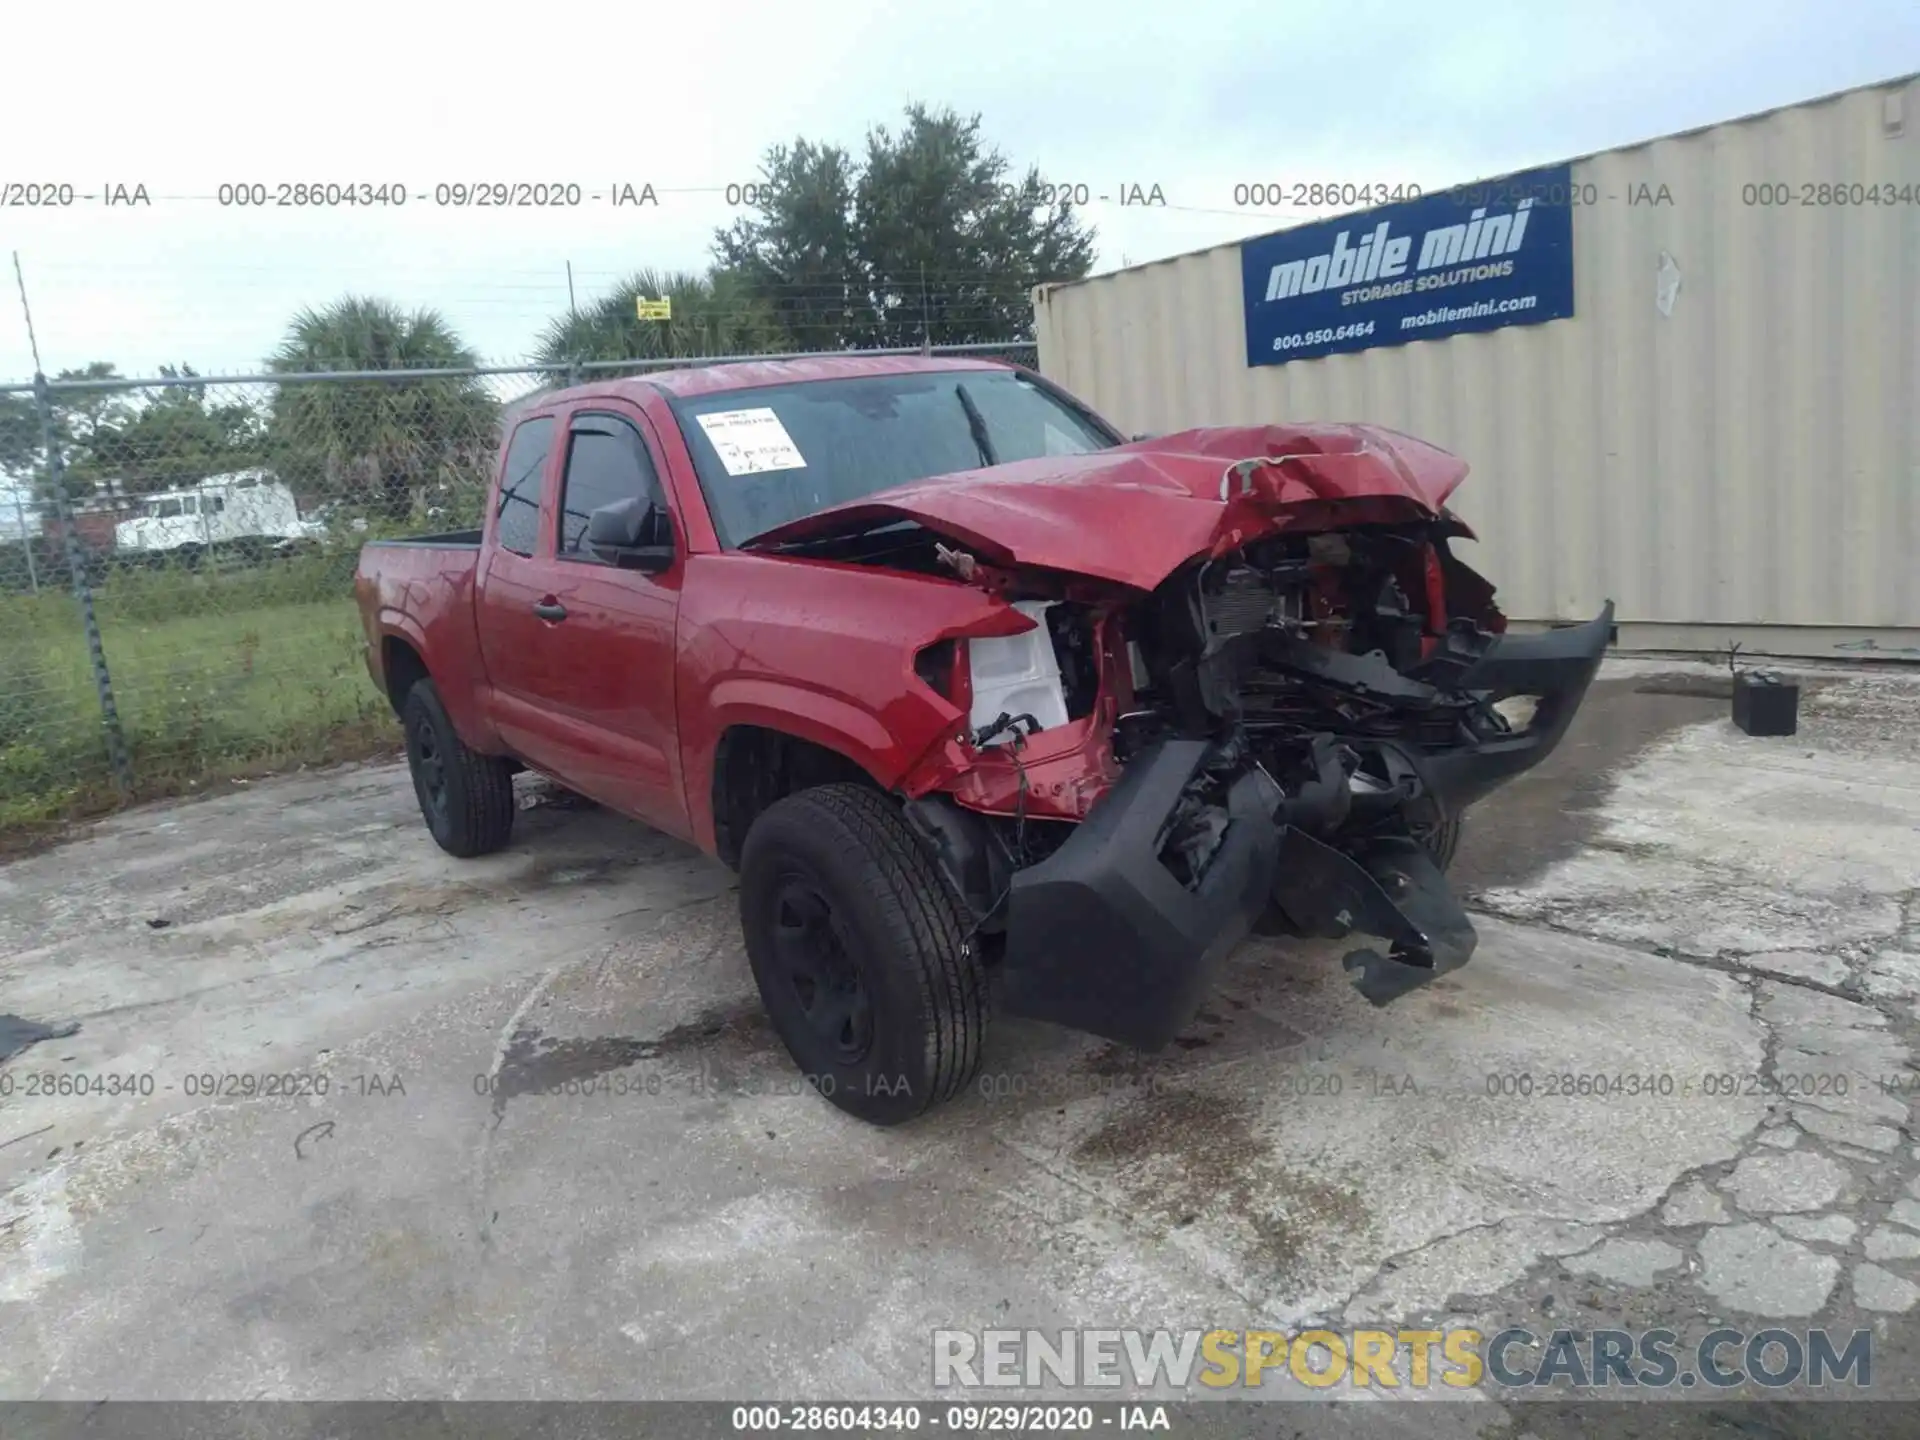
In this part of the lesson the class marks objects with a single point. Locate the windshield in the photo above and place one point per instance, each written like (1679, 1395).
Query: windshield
(775, 454)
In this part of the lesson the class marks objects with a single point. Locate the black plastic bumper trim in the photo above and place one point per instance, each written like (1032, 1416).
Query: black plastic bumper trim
(1555, 665)
(1102, 938)
(1100, 935)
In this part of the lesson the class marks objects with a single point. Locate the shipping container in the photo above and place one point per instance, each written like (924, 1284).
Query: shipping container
(1723, 437)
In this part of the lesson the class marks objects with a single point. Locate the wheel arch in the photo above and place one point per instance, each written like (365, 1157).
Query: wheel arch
(401, 667)
(755, 765)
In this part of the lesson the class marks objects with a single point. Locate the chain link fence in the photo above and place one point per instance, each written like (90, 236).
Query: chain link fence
(177, 561)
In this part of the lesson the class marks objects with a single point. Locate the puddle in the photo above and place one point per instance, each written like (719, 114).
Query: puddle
(17, 1033)
(544, 873)
(1552, 812)
(535, 1062)
(1188, 1155)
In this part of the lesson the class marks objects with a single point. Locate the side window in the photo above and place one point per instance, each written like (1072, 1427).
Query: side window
(519, 511)
(606, 462)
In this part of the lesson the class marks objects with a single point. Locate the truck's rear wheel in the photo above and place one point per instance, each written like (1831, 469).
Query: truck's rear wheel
(861, 953)
(465, 798)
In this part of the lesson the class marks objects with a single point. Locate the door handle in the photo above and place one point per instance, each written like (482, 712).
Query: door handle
(550, 610)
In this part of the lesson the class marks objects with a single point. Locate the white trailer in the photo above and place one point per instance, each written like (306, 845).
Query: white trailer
(221, 511)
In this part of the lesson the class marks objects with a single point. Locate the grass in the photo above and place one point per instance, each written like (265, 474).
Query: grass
(214, 675)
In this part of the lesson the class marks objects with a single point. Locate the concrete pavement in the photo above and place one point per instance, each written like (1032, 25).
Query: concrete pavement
(531, 1138)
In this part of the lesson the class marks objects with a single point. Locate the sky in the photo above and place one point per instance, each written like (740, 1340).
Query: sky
(1194, 98)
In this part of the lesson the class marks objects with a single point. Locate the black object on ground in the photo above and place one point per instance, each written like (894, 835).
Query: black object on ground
(1765, 704)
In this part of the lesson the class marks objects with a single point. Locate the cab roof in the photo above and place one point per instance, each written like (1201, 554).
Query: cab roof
(752, 374)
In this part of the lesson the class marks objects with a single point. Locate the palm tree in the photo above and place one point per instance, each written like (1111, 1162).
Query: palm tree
(387, 443)
(713, 314)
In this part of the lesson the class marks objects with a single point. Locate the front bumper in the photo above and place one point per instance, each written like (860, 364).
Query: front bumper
(1557, 666)
(1102, 938)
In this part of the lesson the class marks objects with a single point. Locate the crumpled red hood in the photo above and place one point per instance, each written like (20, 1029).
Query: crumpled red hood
(1134, 513)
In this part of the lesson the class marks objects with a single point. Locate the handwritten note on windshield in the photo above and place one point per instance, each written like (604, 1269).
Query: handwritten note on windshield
(751, 441)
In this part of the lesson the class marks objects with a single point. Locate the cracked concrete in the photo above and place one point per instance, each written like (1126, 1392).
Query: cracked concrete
(1801, 883)
(1835, 1230)
(1629, 1262)
(1670, 1090)
(1888, 1243)
(1877, 1289)
(1756, 1269)
(1693, 1204)
(1770, 1184)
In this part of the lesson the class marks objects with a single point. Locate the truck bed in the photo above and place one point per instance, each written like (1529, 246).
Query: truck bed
(444, 540)
(416, 598)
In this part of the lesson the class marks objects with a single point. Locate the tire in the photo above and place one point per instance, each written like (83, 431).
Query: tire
(465, 798)
(861, 953)
(1442, 842)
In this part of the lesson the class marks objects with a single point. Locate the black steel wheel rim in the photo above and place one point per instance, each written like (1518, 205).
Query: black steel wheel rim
(814, 961)
(429, 768)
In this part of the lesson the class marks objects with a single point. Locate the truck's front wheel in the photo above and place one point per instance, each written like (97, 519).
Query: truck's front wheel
(861, 953)
(466, 798)
(1443, 842)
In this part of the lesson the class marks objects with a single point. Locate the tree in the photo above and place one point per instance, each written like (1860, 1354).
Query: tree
(85, 424)
(384, 444)
(177, 436)
(20, 452)
(115, 444)
(714, 314)
(801, 254)
(928, 237)
(20, 447)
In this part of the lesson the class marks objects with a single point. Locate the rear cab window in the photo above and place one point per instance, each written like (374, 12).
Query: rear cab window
(518, 507)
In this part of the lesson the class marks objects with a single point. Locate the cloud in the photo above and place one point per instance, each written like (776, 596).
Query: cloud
(1195, 98)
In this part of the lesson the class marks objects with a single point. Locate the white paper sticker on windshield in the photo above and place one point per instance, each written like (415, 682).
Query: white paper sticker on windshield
(750, 441)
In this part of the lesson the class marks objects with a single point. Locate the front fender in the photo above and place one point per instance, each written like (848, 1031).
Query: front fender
(823, 718)
(829, 721)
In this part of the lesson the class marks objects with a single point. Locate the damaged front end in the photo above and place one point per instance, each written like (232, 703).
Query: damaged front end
(1281, 737)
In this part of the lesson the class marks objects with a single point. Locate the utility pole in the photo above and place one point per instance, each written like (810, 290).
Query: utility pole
(573, 312)
(116, 738)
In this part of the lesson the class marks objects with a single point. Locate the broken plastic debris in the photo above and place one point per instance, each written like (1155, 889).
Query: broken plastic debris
(961, 563)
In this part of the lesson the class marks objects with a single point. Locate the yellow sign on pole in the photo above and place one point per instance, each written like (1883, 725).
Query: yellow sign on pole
(654, 309)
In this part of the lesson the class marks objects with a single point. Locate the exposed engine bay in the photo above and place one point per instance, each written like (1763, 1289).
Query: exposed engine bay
(1305, 660)
(1222, 694)
(1310, 715)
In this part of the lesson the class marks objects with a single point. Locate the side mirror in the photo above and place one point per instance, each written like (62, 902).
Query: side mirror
(1143, 435)
(633, 534)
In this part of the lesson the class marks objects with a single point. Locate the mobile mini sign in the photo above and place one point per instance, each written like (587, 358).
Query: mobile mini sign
(1477, 257)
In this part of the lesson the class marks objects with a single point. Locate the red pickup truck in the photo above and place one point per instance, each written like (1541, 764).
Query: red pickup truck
(977, 696)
